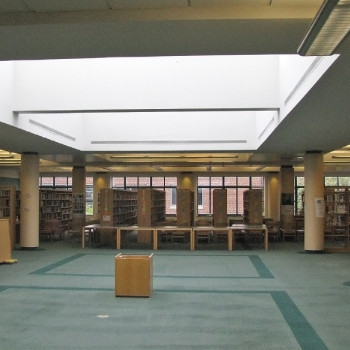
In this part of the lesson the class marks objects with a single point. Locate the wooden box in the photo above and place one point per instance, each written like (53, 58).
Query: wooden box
(5, 240)
(133, 275)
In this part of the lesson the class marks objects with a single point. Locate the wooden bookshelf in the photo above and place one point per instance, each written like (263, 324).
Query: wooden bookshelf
(252, 201)
(336, 221)
(117, 207)
(220, 207)
(55, 205)
(185, 207)
(8, 209)
(151, 211)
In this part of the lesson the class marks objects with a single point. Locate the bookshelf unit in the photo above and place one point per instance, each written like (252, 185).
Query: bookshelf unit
(151, 211)
(117, 207)
(220, 208)
(336, 220)
(8, 209)
(185, 207)
(56, 205)
(252, 202)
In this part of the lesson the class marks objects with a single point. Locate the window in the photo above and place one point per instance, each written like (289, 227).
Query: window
(235, 187)
(89, 201)
(299, 187)
(200, 197)
(65, 183)
(167, 184)
(173, 197)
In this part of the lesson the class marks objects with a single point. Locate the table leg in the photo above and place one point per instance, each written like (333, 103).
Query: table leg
(230, 239)
(155, 239)
(118, 238)
(266, 239)
(83, 237)
(192, 239)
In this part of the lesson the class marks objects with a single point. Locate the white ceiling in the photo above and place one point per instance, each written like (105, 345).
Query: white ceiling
(46, 29)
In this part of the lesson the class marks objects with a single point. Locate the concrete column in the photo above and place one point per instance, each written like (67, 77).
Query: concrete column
(272, 196)
(314, 202)
(29, 208)
(79, 192)
(101, 180)
(186, 182)
(78, 179)
(287, 179)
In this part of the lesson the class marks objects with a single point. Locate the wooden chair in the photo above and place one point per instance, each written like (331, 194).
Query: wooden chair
(288, 230)
(274, 229)
(52, 229)
(203, 236)
(179, 237)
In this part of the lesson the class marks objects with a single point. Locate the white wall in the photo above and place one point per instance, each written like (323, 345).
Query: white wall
(171, 131)
(297, 76)
(259, 83)
(143, 83)
(59, 127)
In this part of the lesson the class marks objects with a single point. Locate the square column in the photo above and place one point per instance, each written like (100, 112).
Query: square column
(314, 202)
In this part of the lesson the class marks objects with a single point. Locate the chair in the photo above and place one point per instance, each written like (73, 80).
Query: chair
(289, 230)
(178, 237)
(299, 226)
(203, 236)
(274, 230)
(51, 229)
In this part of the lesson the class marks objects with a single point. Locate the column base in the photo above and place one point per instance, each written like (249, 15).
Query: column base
(29, 248)
(314, 252)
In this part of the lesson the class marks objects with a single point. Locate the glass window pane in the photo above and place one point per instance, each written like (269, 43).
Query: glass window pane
(157, 181)
(243, 181)
(203, 181)
(61, 181)
(89, 181)
(331, 181)
(118, 182)
(232, 201)
(131, 182)
(240, 200)
(300, 181)
(230, 181)
(170, 201)
(217, 181)
(171, 181)
(89, 208)
(70, 181)
(144, 182)
(257, 182)
(299, 203)
(204, 208)
(344, 181)
(47, 181)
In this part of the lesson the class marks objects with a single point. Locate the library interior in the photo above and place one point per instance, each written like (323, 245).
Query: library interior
(200, 145)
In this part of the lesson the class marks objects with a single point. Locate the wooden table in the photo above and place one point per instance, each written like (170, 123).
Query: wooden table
(131, 228)
(192, 230)
(91, 229)
(172, 228)
(212, 228)
(246, 227)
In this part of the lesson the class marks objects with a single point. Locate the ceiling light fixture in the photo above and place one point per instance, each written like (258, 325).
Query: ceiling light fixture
(341, 157)
(328, 29)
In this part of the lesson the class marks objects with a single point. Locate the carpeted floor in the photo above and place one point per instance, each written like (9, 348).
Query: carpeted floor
(62, 297)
